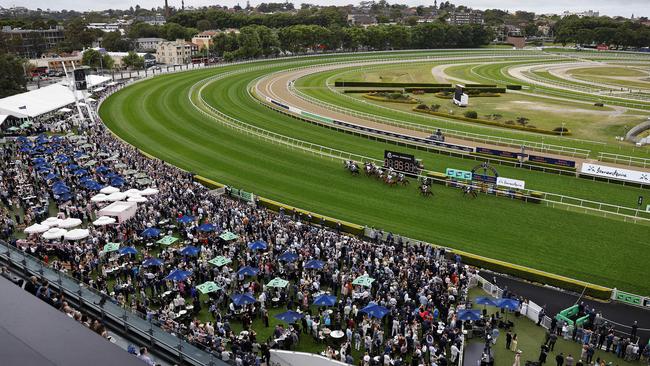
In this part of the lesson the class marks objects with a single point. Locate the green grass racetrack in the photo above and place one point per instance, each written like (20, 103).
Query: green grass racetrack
(157, 116)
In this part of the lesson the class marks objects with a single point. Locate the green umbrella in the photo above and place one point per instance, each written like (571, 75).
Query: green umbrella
(144, 181)
(167, 240)
(90, 163)
(111, 247)
(87, 146)
(112, 158)
(130, 172)
(220, 261)
(13, 129)
(278, 282)
(120, 166)
(208, 287)
(26, 124)
(140, 175)
(227, 236)
(103, 155)
(363, 281)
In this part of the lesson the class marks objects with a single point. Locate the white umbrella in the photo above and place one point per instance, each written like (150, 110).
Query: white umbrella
(54, 233)
(133, 192)
(138, 199)
(100, 197)
(36, 229)
(117, 196)
(51, 221)
(109, 190)
(76, 234)
(149, 192)
(70, 222)
(104, 220)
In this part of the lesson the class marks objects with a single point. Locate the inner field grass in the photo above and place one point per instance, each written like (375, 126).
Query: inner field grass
(157, 117)
(313, 85)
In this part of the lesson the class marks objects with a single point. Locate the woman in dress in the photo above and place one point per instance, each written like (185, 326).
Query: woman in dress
(513, 343)
(517, 358)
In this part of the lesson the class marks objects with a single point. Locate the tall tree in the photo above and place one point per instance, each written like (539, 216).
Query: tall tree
(12, 75)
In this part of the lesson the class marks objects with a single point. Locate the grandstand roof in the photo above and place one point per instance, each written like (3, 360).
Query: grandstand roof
(34, 333)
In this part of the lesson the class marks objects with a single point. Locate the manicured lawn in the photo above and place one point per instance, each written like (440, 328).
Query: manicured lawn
(156, 116)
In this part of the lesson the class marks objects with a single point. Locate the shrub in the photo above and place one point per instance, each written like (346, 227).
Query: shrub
(599, 104)
(471, 114)
(422, 106)
(435, 107)
(513, 87)
(509, 122)
(523, 121)
(561, 129)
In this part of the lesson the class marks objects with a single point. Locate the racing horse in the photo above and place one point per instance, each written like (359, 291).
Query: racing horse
(425, 190)
(351, 166)
(469, 190)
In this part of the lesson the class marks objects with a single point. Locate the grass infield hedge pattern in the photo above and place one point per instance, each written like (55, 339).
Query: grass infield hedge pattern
(492, 123)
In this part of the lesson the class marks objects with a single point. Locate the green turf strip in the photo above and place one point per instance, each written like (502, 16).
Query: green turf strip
(156, 116)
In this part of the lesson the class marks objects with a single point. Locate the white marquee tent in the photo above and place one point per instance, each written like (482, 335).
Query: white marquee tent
(36, 102)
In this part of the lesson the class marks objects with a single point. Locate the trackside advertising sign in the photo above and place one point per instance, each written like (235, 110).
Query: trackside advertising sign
(511, 183)
(616, 173)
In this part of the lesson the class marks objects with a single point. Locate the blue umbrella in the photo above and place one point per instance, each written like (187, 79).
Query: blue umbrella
(190, 250)
(485, 301)
(117, 182)
(23, 139)
(48, 151)
(185, 219)
(325, 300)
(506, 303)
(25, 149)
(257, 245)
(248, 271)
(101, 169)
(207, 228)
(58, 183)
(152, 262)
(79, 154)
(242, 299)
(112, 175)
(51, 176)
(65, 197)
(376, 311)
(72, 167)
(178, 275)
(469, 314)
(80, 172)
(60, 190)
(39, 160)
(128, 250)
(314, 264)
(289, 316)
(62, 159)
(151, 232)
(288, 257)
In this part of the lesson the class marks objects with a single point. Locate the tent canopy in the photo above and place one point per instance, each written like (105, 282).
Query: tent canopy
(36, 102)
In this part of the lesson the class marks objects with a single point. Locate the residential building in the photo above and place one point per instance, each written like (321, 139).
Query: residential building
(31, 43)
(152, 20)
(56, 62)
(176, 52)
(361, 19)
(582, 14)
(147, 44)
(465, 17)
(204, 39)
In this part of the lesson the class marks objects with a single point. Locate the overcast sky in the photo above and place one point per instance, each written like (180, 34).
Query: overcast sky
(605, 7)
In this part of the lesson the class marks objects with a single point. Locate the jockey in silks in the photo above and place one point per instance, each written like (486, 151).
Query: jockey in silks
(400, 177)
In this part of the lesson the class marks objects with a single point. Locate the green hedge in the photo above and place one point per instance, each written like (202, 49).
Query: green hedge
(382, 99)
(484, 90)
(389, 85)
(480, 85)
(491, 123)
(372, 91)
(429, 90)
(534, 275)
(513, 87)
(207, 182)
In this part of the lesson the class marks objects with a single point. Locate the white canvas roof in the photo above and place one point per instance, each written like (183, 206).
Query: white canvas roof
(36, 102)
(3, 117)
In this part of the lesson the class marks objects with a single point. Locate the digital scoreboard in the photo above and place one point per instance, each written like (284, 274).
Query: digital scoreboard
(401, 162)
